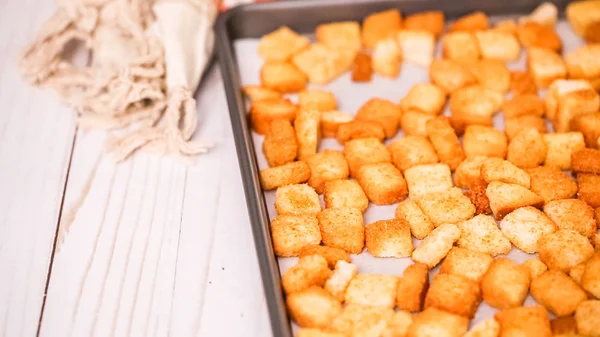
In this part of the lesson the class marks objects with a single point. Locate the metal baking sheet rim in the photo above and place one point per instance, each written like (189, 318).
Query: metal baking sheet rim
(353, 10)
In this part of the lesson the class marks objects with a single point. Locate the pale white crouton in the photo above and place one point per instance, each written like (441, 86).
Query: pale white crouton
(466, 263)
(416, 46)
(486, 328)
(481, 234)
(524, 227)
(419, 223)
(386, 58)
(313, 307)
(372, 289)
(560, 148)
(423, 179)
(496, 169)
(340, 279)
(437, 245)
(450, 206)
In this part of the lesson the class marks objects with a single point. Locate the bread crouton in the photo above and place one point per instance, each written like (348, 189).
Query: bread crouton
(449, 206)
(308, 131)
(382, 111)
(461, 47)
(557, 292)
(411, 151)
(583, 62)
(398, 325)
(423, 179)
(309, 332)
(445, 142)
(372, 289)
(496, 169)
(416, 46)
(420, 225)
(383, 183)
(292, 232)
(467, 263)
(545, 14)
(589, 125)
(527, 149)
(292, 173)
(310, 271)
(313, 307)
(282, 76)
(486, 328)
(534, 35)
(414, 122)
(564, 249)
(485, 141)
(450, 75)
(321, 64)
(592, 33)
(257, 93)
(331, 122)
(572, 214)
(524, 104)
(297, 199)
(435, 322)
(331, 254)
(264, 112)
(475, 104)
(564, 326)
(315, 99)
(379, 26)
(492, 75)
(412, 287)
(471, 22)
(505, 284)
(581, 14)
(437, 245)
(545, 66)
(364, 151)
(560, 148)
(567, 99)
(521, 82)
(576, 273)
(505, 198)
(389, 238)
(482, 234)
(590, 279)
(588, 314)
(535, 267)
(589, 188)
(479, 198)
(551, 183)
(525, 226)
(431, 21)
(586, 161)
(343, 273)
(345, 194)
(454, 294)
(357, 129)
(468, 173)
(281, 44)
(279, 145)
(362, 69)
(498, 45)
(512, 126)
(343, 228)
(339, 35)
(424, 97)
(326, 166)
(386, 58)
(524, 321)
(358, 320)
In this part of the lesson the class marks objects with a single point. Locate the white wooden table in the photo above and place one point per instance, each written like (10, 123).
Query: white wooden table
(149, 247)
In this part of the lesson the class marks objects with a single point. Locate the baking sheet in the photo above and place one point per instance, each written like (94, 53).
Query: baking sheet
(350, 97)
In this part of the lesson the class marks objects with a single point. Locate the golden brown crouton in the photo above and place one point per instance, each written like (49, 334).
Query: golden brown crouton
(589, 125)
(588, 315)
(389, 238)
(590, 280)
(551, 183)
(486, 328)
(498, 45)
(364, 151)
(424, 97)
(505, 198)
(563, 98)
(535, 267)
(475, 104)
(331, 254)
(512, 126)
(454, 294)
(257, 93)
(478, 198)
(361, 68)
(414, 122)
(343, 228)
(313, 307)
(398, 325)
(592, 33)
(525, 104)
(521, 82)
(581, 14)
(586, 161)
(545, 66)
(340, 278)
(308, 332)
(279, 145)
(358, 320)
(321, 64)
(492, 75)
(380, 25)
(527, 149)
(576, 273)
(572, 214)
(583, 62)
(468, 173)
(412, 151)
(297, 199)
(564, 249)
(482, 234)
(445, 142)
(282, 76)
(372, 289)
(524, 321)
(423, 179)
(292, 232)
(339, 35)
(309, 271)
(326, 166)
(496, 169)
(345, 194)
(561, 146)
(589, 188)
(357, 129)
(431, 21)
(485, 141)
(382, 111)
(449, 206)
(534, 35)
(545, 14)
(564, 326)
(383, 183)
(437, 245)
(506, 26)
(466, 263)
(264, 112)
(524, 227)
(434, 322)
(505, 284)
(450, 75)
(308, 131)
(471, 22)
(386, 58)
(420, 225)
(292, 173)
(461, 47)
(416, 46)
(281, 44)
(557, 292)
(331, 122)
(412, 287)
(315, 99)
